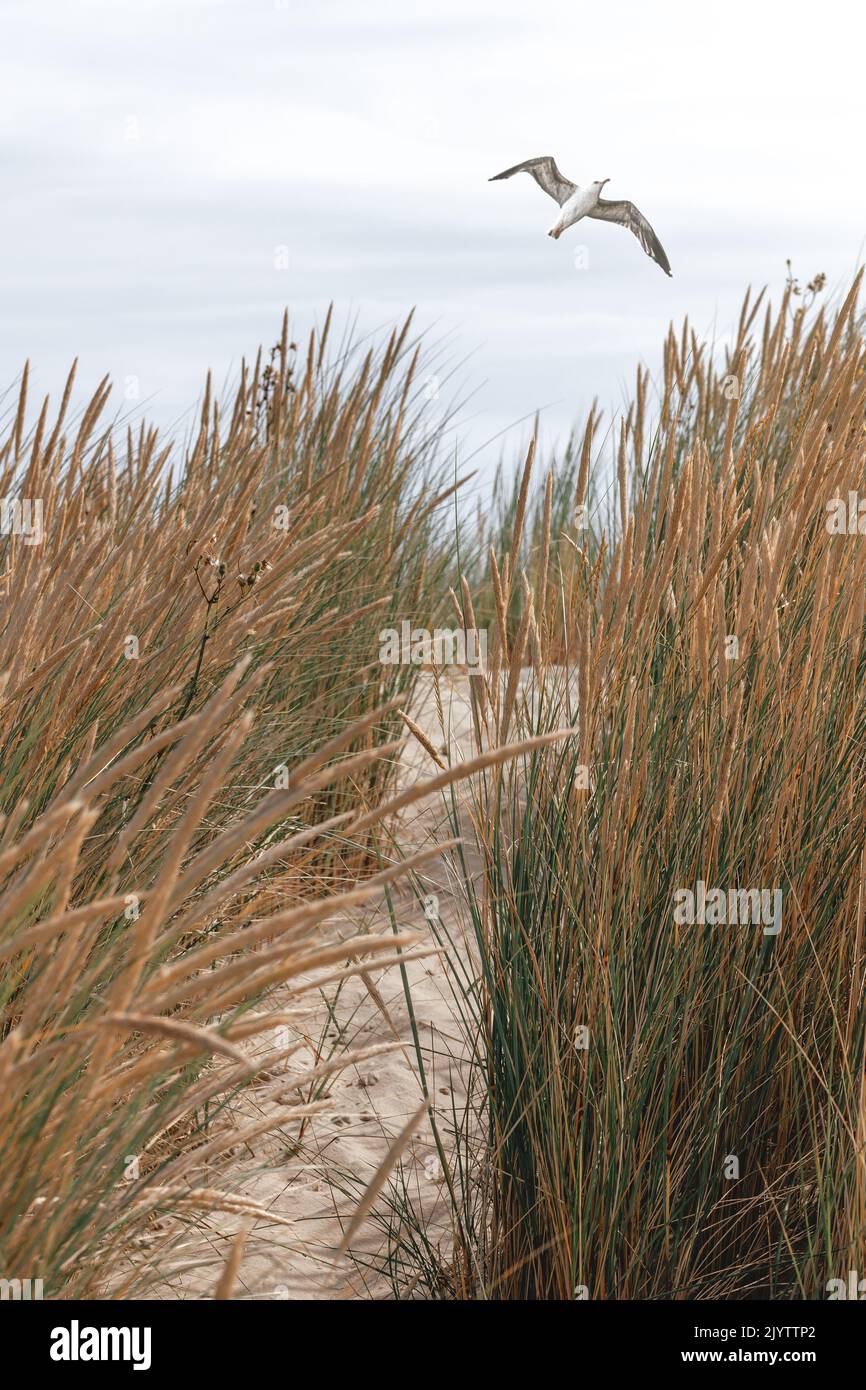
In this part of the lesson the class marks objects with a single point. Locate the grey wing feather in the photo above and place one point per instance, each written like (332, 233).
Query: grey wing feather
(627, 215)
(546, 175)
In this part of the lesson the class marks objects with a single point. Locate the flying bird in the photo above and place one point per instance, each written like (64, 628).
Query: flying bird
(576, 202)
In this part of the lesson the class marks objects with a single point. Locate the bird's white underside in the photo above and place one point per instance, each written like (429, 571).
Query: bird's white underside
(582, 201)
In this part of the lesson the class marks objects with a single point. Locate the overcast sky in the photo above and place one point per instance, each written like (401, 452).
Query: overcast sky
(158, 155)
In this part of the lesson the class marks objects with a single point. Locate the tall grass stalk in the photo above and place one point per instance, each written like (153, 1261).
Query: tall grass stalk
(661, 1110)
(196, 743)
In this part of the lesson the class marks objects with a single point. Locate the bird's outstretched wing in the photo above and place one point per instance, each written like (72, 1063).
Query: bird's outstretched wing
(546, 175)
(627, 215)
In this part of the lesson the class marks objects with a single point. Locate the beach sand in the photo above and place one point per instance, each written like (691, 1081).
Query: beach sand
(371, 1102)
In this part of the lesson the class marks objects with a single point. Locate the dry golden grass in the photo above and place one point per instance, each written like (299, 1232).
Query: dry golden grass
(739, 763)
(196, 740)
(182, 821)
(290, 531)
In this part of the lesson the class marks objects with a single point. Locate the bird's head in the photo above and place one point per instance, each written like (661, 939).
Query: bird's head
(600, 183)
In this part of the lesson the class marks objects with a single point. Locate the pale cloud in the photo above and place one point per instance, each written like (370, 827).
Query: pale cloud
(155, 154)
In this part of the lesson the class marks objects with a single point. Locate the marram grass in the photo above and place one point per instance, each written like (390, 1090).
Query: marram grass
(662, 1108)
(196, 739)
(197, 749)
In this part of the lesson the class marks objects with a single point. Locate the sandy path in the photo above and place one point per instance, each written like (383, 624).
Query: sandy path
(372, 1101)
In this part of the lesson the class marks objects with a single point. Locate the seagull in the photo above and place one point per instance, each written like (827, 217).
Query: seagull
(577, 202)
